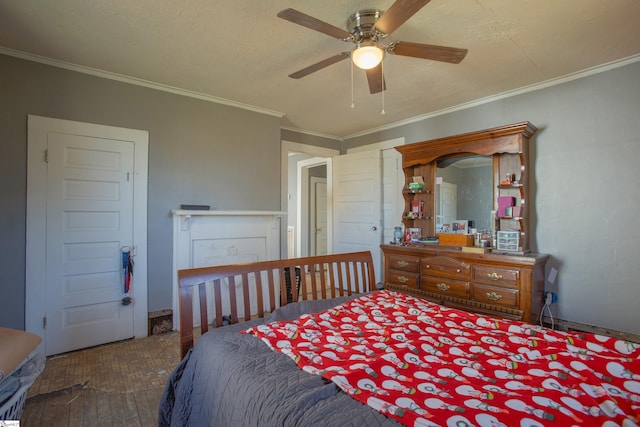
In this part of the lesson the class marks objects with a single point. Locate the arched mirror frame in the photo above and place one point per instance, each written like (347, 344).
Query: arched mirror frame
(509, 147)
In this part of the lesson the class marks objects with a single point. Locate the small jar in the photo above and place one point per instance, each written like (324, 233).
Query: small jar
(397, 235)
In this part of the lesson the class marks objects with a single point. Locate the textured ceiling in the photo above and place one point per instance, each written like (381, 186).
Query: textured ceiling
(240, 51)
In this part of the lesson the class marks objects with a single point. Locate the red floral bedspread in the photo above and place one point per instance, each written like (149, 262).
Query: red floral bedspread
(427, 365)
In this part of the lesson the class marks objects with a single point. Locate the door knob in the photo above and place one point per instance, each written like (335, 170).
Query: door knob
(374, 228)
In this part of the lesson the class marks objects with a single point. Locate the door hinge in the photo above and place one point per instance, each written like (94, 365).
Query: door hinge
(46, 156)
(44, 322)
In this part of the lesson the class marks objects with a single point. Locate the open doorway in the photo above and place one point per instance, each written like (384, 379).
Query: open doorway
(306, 194)
(318, 227)
(312, 213)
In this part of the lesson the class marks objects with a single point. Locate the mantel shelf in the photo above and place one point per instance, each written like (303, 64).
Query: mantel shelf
(220, 212)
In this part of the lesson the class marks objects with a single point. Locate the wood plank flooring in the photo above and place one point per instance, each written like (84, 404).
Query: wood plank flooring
(116, 384)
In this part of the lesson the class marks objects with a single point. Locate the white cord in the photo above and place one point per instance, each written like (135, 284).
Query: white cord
(353, 105)
(550, 315)
(382, 84)
(541, 312)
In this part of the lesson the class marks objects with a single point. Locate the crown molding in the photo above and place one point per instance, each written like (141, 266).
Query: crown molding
(197, 95)
(135, 81)
(312, 133)
(508, 94)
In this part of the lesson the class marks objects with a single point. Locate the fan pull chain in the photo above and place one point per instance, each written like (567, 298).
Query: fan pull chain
(353, 105)
(382, 85)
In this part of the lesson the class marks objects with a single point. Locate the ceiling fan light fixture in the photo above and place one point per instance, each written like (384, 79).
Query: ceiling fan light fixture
(367, 55)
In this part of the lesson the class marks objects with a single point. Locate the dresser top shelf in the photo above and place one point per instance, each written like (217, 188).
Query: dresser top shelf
(501, 257)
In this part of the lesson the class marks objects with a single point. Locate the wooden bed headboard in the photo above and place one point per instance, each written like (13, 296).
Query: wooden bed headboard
(335, 275)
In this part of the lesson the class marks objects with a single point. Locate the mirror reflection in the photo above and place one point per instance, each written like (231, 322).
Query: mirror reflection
(464, 191)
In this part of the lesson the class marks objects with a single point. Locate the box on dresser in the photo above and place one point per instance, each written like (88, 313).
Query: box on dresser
(445, 239)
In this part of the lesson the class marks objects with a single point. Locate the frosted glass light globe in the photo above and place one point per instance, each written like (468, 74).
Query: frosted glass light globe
(367, 56)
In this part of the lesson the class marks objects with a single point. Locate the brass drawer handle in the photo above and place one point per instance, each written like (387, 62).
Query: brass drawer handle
(494, 276)
(427, 266)
(403, 279)
(493, 296)
(403, 263)
(443, 286)
(458, 270)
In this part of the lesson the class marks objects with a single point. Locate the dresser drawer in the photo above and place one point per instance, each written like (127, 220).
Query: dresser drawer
(490, 275)
(496, 295)
(404, 263)
(448, 287)
(403, 278)
(445, 267)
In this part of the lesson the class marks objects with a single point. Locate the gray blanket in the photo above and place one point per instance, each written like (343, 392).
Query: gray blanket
(233, 379)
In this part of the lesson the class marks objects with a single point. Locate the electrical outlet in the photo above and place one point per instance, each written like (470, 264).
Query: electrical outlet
(550, 298)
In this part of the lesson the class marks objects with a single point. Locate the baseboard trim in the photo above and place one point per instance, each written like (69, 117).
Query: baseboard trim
(568, 325)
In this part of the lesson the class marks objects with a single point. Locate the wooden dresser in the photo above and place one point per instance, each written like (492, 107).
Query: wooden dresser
(509, 286)
(509, 283)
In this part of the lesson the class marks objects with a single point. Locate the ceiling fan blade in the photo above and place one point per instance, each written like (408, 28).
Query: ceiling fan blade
(376, 79)
(428, 51)
(320, 65)
(398, 14)
(300, 18)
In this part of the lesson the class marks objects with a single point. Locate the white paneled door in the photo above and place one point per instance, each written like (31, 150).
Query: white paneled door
(392, 199)
(89, 219)
(357, 207)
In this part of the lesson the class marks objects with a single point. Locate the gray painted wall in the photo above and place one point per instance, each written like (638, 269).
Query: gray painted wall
(586, 188)
(586, 185)
(199, 153)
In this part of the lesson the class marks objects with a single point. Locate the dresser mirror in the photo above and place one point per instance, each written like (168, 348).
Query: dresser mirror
(504, 149)
(464, 190)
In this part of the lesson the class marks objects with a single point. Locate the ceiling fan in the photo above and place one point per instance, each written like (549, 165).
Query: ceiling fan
(367, 29)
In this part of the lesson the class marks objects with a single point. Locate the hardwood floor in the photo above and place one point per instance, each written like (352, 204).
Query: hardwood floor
(117, 384)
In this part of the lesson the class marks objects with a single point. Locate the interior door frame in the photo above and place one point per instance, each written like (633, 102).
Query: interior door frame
(303, 220)
(35, 274)
(311, 150)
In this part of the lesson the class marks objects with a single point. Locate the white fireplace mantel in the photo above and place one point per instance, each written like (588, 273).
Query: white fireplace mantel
(218, 237)
(187, 215)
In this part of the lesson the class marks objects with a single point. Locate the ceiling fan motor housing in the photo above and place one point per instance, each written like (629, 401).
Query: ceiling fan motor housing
(361, 25)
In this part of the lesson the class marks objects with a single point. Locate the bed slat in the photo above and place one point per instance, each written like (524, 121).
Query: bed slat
(245, 294)
(258, 279)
